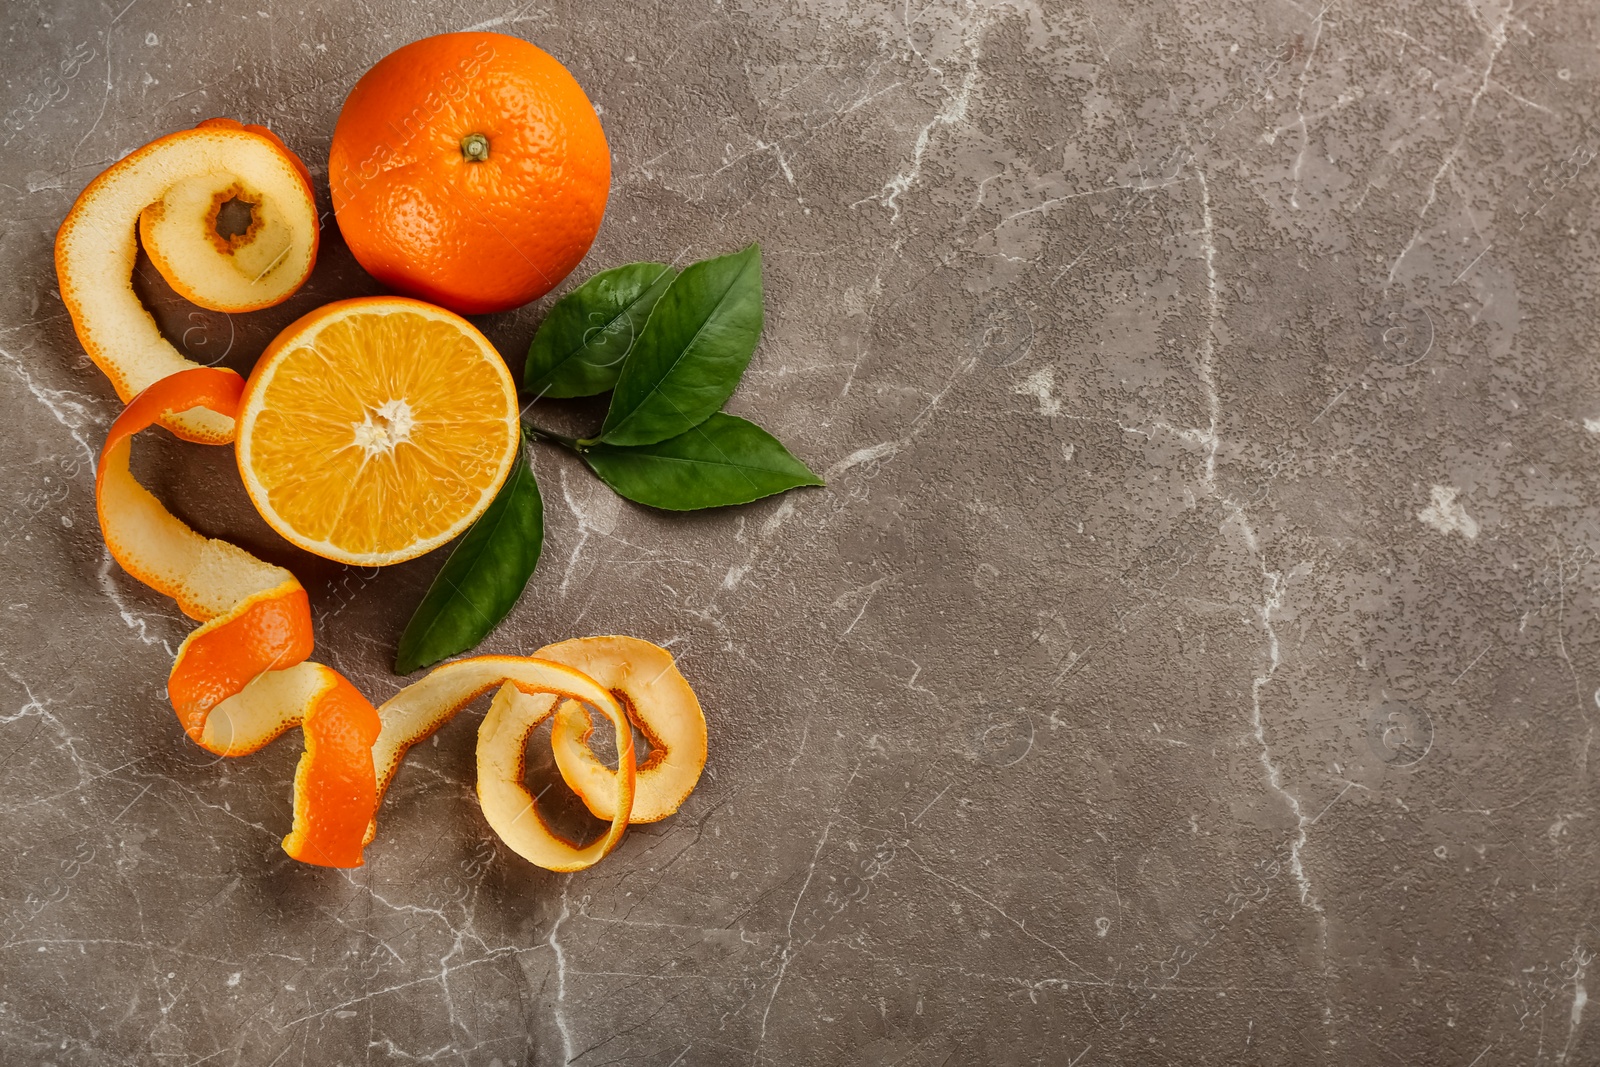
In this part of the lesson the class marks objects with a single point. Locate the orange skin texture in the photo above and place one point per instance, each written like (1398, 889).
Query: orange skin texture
(269, 634)
(472, 236)
(335, 792)
(206, 387)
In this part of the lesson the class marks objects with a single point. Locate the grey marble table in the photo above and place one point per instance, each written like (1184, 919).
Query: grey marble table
(1193, 657)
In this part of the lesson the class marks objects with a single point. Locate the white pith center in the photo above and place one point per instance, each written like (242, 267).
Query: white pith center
(384, 427)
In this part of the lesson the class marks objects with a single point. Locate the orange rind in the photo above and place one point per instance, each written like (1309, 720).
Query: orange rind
(204, 575)
(335, 790)
(267, 631)
(199, 170)
(646, 681)
(508, 807)
(529, 690)
(242, 678)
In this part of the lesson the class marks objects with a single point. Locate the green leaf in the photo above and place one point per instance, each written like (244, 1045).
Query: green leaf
(725, 460)
(691, 353)
(482, 579)
(581, 344)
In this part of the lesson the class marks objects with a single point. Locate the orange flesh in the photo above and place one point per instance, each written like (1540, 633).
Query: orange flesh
(375, 430)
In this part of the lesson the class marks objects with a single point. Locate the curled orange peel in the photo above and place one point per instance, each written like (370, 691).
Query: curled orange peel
(529, 689)
(171, 191)
(244, 676)
(205, 576)
(646, 680)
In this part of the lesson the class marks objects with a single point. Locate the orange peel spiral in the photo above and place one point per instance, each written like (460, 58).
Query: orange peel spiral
(658, 700)
(244, 676)
(529, 691)
(171, 191)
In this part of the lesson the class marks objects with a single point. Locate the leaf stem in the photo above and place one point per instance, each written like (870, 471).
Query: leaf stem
(564, 441)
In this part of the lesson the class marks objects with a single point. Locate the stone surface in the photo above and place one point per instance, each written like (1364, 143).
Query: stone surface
(1193, 656)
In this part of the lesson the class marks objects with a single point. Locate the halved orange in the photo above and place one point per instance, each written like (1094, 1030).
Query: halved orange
(373, 430)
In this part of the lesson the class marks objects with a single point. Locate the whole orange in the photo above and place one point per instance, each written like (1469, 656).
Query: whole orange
(469, 169)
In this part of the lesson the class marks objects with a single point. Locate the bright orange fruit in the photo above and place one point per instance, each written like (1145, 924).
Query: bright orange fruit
(373, 430)
(469, 169)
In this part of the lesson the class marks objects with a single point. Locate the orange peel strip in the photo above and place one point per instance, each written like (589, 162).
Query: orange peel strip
(242, 678)
(335, 789)
(645, 679)
(529, 691)
(171, 191)
(267, 631)
(205, 576)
